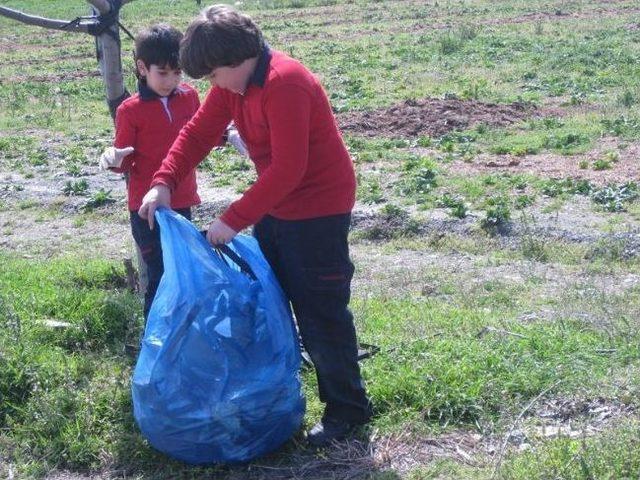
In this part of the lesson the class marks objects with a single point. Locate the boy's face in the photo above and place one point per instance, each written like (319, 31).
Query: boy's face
(235, 78)
(160, 79)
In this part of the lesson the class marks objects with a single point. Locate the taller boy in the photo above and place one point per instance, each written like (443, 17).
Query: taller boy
(301, 203)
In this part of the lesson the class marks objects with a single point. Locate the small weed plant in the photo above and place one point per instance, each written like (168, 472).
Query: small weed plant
(613, 198)
(75, 187)
(455, 204)
(100, 198)
(497, 214)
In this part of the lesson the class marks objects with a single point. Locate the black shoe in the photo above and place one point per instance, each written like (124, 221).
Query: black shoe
(327, 430)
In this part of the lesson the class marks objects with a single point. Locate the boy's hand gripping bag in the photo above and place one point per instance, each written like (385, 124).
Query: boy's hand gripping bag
(217, 379)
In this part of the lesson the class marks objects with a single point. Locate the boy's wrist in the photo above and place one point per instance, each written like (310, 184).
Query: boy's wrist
(161, 184)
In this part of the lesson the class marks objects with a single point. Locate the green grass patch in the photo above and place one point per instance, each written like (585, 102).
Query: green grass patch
(438, 368)
(609, 455)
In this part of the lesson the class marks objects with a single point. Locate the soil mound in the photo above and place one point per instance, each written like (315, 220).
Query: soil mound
(431, 117)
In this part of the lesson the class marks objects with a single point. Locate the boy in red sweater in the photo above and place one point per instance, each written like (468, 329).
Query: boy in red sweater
(146, 125)
(301, 203)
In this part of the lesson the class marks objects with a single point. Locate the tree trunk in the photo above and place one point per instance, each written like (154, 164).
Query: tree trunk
(108, 50)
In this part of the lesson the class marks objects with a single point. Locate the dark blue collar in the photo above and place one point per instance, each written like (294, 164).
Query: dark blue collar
(259, 75)
(146, 93)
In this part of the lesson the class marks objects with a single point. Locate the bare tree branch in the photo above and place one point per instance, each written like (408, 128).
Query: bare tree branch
(44, 22)
(102, 6)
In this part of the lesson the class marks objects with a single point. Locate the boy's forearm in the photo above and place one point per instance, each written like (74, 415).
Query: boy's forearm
(194, 142)
(185, 155)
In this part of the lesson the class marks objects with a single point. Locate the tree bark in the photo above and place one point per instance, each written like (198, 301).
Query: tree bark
(49, 23)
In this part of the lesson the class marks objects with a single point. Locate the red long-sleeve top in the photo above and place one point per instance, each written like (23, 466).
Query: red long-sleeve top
(286, 121)
(144, 123)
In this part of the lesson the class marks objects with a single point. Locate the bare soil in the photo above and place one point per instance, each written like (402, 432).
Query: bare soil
(551, 165)
(431, 117)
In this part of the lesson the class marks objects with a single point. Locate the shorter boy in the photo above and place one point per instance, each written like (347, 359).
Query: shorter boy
(146, 126)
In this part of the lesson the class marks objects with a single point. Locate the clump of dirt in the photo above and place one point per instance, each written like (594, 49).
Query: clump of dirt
(432, 117)
(390, 223)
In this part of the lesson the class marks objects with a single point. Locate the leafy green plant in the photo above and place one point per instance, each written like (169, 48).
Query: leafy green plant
(524, 201)
(456, 204)
(392, 222)
(38, 158)
(613, 197)
(612, 156)
(474, 89)
(567, 143)
(449, 43)
(75, 187)
(601, 164)
(424, 141)
(622, 126)
(497, 214)
(419, 176)
(551, 123)
(100, 198)
(627, 99)
(557, 187)
(370, 191)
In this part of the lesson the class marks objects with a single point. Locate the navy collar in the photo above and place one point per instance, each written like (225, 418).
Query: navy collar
(259, 75)
(147, 94)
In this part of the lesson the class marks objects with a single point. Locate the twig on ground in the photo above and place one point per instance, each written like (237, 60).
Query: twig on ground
(606, 351)
(132, 282)
(487, 329)
(505, 442)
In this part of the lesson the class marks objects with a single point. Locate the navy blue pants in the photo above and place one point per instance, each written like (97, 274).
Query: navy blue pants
(311, 261)
(149, 244)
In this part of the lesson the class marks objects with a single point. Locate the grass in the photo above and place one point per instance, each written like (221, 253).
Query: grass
(606, 457)
(438, 376)
(66, 395)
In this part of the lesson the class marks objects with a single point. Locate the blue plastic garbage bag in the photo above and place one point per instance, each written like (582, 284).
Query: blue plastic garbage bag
(217, 379)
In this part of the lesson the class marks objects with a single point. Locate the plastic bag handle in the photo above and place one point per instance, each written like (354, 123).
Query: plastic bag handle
(225, 250)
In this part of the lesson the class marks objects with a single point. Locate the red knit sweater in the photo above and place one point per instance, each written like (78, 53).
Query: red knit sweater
(284, 117)
(142, 122)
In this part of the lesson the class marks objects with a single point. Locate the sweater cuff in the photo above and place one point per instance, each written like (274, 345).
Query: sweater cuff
(161, 180)
(234, 221)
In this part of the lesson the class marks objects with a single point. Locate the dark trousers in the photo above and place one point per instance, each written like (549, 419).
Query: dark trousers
(148, 242)
(311, 261)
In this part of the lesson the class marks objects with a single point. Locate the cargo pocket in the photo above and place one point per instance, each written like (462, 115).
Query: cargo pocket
(329, 279)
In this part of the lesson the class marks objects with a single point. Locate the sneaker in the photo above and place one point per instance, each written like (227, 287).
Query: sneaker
(327, 430)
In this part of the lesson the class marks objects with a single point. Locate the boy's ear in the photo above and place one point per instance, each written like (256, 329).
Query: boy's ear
(142, 68)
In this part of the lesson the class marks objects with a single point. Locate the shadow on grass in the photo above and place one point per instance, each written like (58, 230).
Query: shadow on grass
(349, 459)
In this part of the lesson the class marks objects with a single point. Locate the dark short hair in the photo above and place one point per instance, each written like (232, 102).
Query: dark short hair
(159, 45)
(219, 37)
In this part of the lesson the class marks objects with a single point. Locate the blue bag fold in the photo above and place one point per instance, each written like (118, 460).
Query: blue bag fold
(217, 379)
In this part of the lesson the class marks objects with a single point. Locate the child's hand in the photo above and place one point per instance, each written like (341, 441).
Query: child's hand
(157, 196)
(220, 233)
(112, 157)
